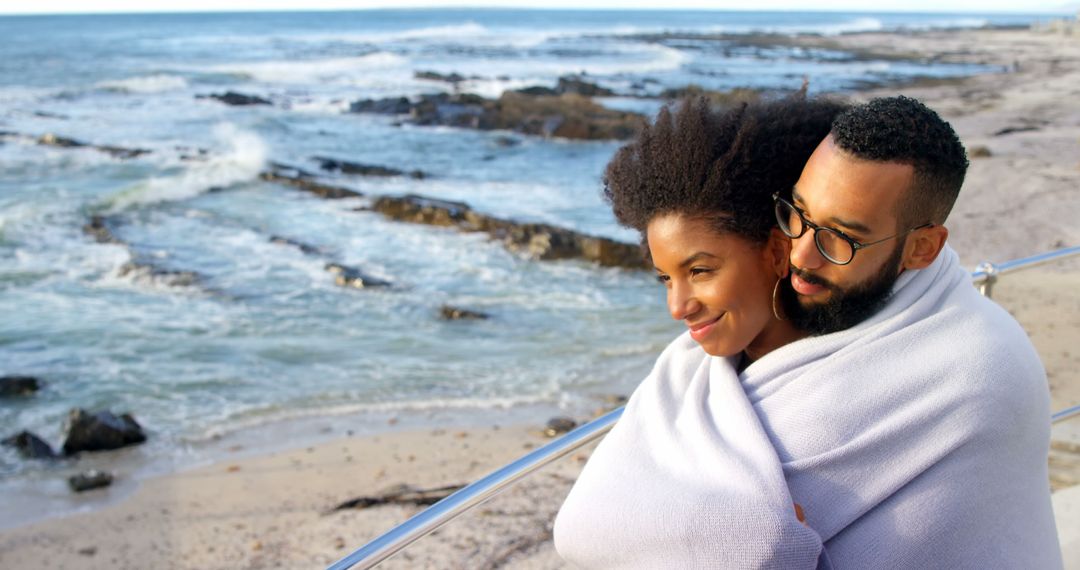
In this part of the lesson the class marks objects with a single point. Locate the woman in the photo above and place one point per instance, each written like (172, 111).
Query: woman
(677, 484)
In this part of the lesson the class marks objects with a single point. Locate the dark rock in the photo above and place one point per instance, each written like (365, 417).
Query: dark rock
(98, 228)
(558, 426)
(538, 90)
(400, 495)
(539, 241)
(149, 273)
(1011, 130)
(716, 98)
(567, 115)
(305, 183)
(18, 386)
(236, 99)
(30, 445)
(454, 314)
(100, 431)
(50, 139)
(346, 167)
(303, 247)
(421, 210)
(346, 276)
(87, 480)
(979, 152)
(453, 78)
(389, 106)
(578, 86)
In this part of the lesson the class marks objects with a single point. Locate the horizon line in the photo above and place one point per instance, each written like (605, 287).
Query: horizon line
(180, 11)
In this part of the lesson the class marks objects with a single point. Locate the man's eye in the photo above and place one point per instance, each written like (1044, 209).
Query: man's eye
(695, 271)
(663, 279)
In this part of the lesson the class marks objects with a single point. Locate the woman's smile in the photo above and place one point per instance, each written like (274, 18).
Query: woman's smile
(699, 331)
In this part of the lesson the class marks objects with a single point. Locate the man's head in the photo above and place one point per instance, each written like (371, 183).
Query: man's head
(885, 179)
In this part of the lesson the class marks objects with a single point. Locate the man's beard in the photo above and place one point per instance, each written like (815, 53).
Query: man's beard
(844, 309)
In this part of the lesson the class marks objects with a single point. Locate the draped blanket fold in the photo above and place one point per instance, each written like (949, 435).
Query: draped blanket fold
(917, 439)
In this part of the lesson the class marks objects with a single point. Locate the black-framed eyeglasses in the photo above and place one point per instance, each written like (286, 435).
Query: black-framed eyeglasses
(833, 244)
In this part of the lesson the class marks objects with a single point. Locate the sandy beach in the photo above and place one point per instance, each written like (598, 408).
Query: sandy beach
(273, 510)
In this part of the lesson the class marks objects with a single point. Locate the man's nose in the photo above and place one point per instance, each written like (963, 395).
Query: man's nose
(804, 252)
(681, 302)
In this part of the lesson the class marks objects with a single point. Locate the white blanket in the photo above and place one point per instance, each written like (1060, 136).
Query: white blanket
(917, 439)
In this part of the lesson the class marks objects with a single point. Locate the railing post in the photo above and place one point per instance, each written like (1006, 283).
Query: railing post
(991, 272)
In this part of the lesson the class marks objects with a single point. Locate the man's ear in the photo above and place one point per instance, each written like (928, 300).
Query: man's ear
(778, 252)
(924, 246)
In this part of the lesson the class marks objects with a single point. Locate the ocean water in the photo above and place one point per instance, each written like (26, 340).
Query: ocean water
(267, 336)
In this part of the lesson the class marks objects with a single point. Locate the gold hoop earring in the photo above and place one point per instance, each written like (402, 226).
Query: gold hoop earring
(775, 293)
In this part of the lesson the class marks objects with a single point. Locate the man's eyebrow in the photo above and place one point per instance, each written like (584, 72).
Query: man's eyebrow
(852, 225)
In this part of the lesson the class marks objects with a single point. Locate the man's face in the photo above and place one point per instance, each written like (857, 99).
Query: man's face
(859, 198)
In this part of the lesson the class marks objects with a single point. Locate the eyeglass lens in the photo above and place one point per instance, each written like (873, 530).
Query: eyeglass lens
(828, 241)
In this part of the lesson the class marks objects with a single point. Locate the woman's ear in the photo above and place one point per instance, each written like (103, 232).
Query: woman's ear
(778, 252)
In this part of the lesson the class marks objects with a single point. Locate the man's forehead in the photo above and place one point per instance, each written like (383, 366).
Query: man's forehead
(854, 192)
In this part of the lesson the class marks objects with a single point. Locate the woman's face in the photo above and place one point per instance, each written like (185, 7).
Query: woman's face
(719, 284)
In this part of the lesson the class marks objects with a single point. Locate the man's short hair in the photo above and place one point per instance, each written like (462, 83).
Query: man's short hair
(903, 130)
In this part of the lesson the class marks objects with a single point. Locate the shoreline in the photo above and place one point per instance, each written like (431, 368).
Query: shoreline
(255, 506)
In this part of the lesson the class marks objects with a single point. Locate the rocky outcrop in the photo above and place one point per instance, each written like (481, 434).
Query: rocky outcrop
(306, 181)
(236, 99)
(100, 431)
(539, 241)
(14, 386)
(562, 115)
(30, 445)
(49, 139)
(346, 167)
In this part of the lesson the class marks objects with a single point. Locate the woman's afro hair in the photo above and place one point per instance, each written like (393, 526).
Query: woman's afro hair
(722, 166)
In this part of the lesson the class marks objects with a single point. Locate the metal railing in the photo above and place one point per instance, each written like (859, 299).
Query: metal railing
(430, 519)
(986, 274)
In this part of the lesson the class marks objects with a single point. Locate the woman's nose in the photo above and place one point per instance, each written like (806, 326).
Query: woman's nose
(681, 302)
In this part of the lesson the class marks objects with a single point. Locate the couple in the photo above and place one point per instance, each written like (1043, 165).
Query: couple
(844, 397)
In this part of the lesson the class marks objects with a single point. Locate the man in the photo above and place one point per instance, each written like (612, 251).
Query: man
(913, 430)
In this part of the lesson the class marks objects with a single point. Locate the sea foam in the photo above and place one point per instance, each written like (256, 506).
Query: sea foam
(243, 159)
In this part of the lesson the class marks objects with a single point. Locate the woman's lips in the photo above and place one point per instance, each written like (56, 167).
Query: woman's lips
(700, 331)
(804, 288)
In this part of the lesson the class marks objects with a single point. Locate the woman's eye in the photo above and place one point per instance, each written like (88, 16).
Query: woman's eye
(663, 279)
(696, 271)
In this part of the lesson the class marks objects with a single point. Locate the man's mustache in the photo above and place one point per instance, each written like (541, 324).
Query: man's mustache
(813, 279)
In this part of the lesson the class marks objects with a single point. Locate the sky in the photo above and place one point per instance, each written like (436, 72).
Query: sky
(104, 6)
